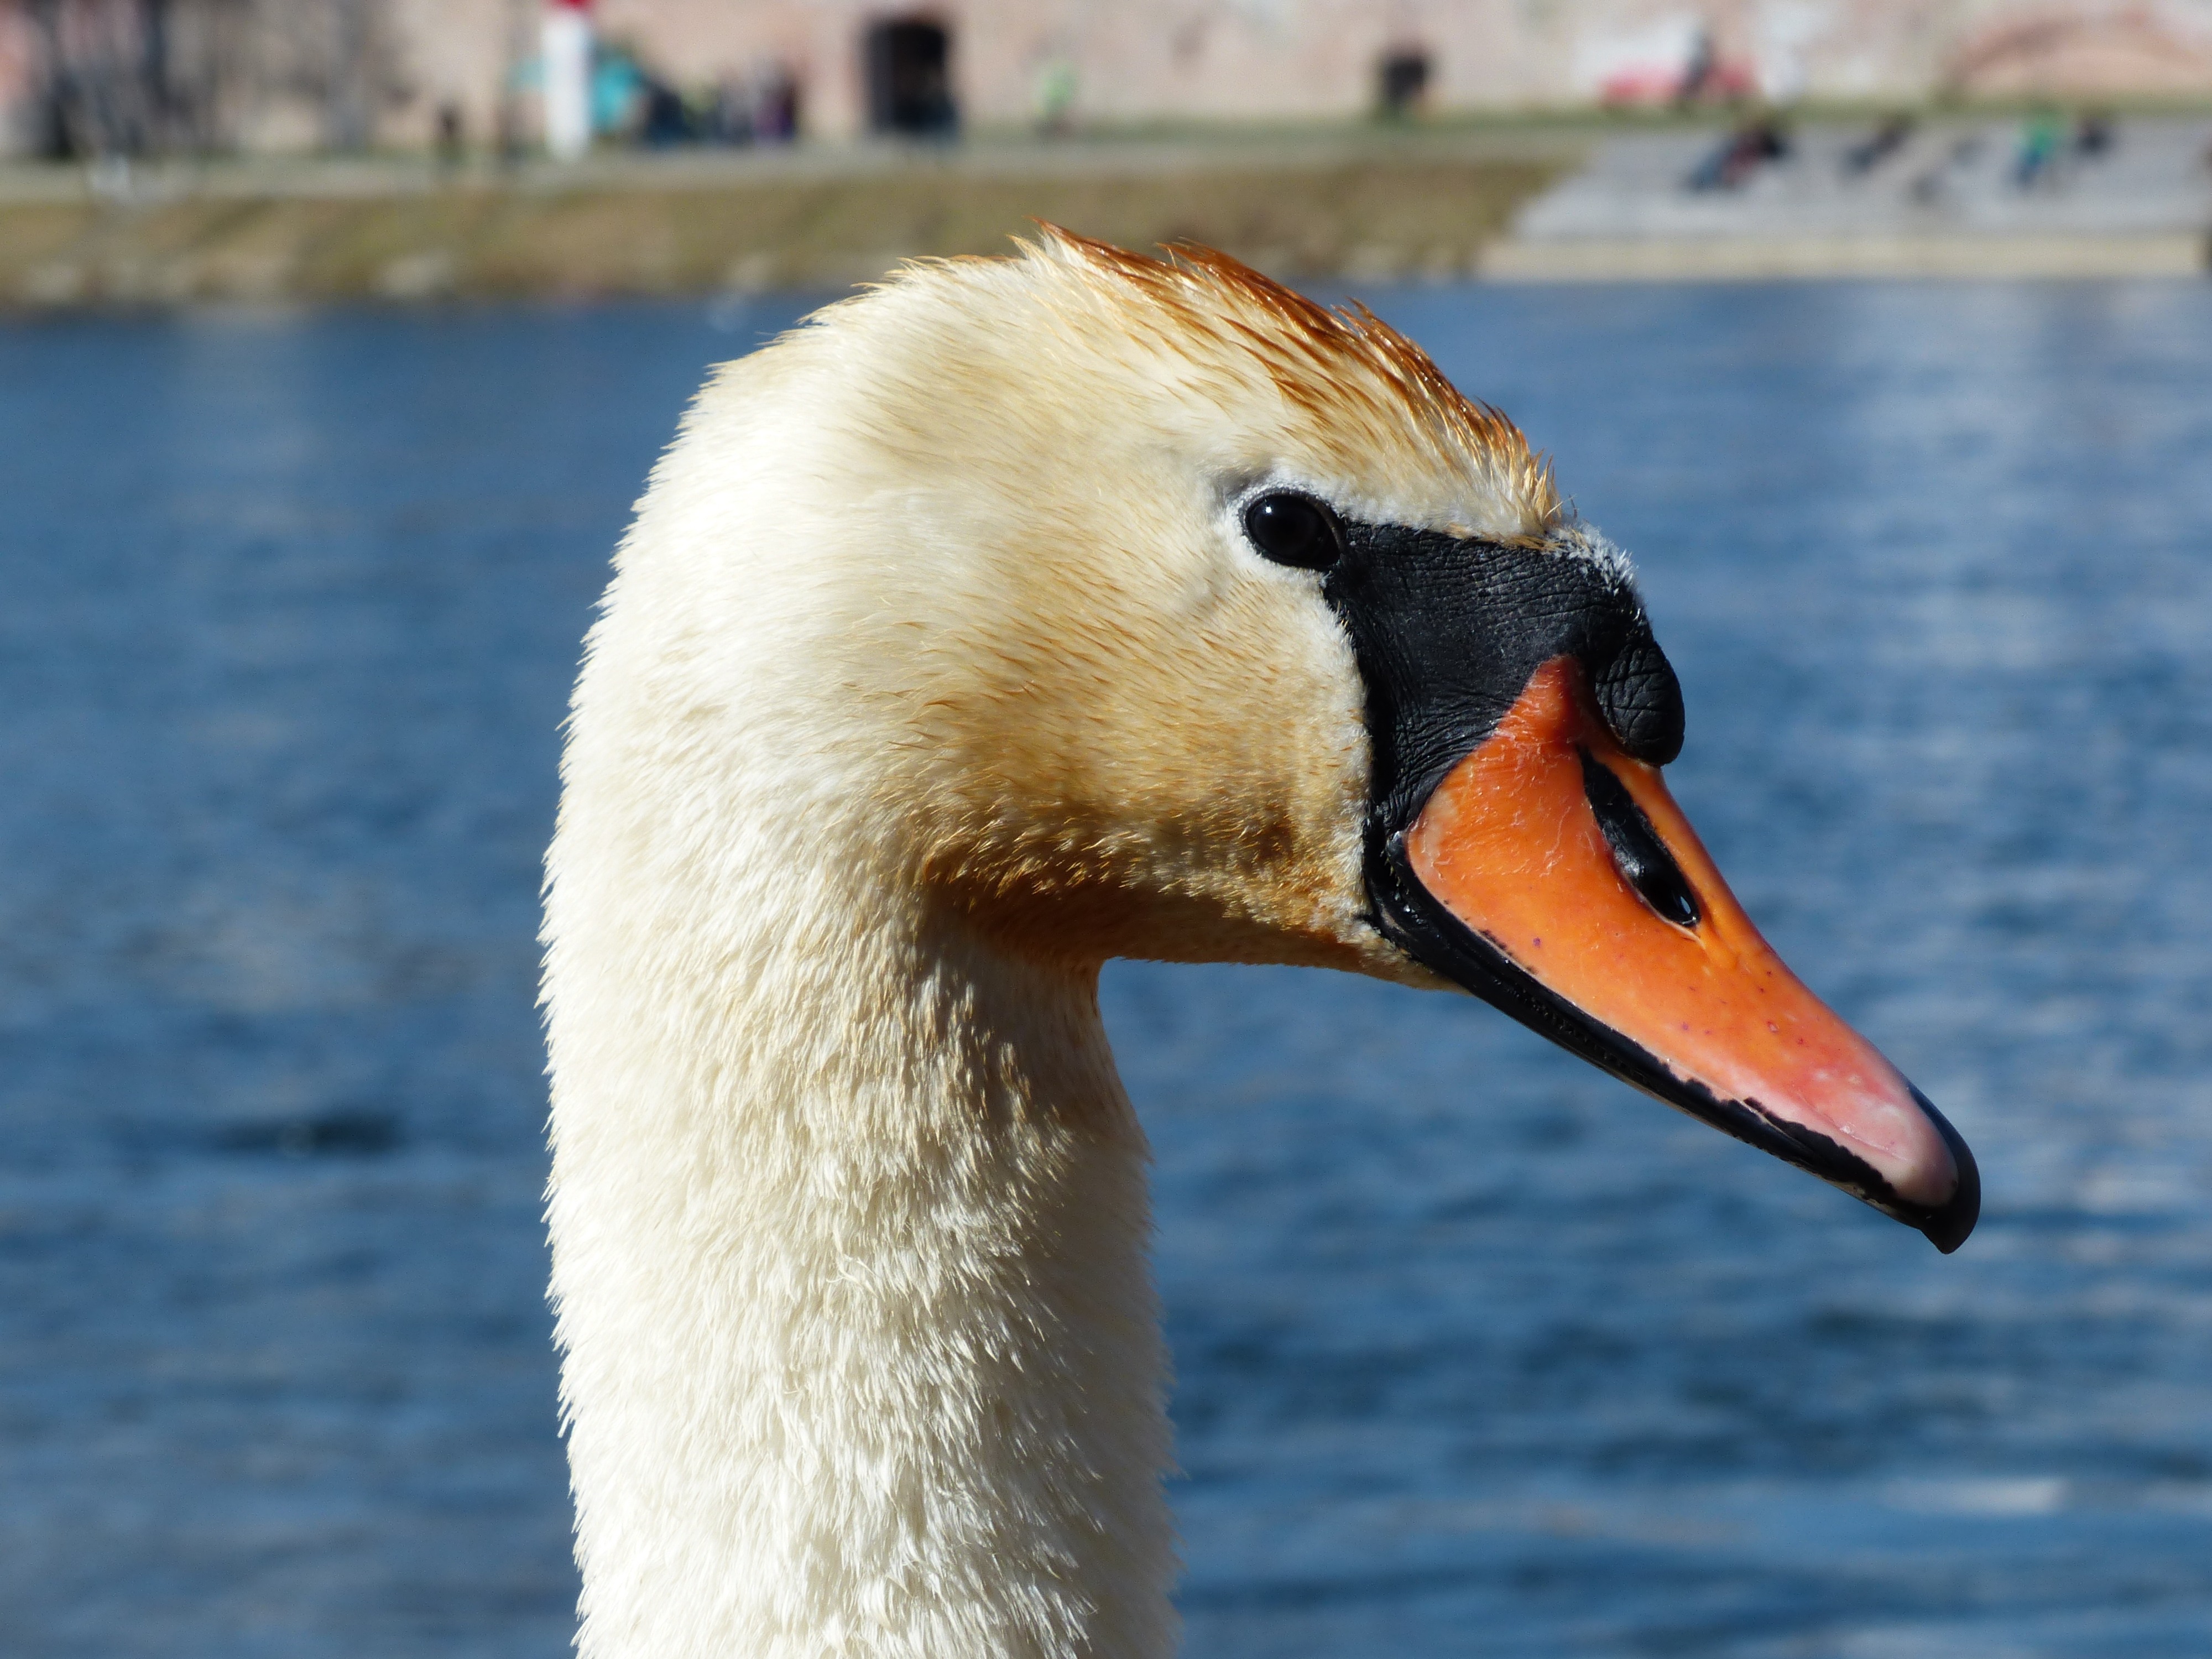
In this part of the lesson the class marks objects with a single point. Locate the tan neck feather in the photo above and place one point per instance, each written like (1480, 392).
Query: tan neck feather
(862, 1350)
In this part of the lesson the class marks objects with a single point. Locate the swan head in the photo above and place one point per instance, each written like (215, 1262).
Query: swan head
(1116, 607)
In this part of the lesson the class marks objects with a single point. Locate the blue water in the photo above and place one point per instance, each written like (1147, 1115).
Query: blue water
(1478, 1352)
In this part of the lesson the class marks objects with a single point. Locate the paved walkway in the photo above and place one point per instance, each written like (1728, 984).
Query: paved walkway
(1946, 199)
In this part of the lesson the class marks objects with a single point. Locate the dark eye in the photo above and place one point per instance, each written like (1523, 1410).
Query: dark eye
(1295, 529)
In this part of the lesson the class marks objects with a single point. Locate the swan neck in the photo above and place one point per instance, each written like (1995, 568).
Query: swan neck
(849, 1225)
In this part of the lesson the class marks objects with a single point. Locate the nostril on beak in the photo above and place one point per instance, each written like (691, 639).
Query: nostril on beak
(1641, 857)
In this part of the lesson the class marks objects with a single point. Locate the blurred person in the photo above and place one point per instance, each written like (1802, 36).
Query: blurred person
(509, 140)
(1878, 146)
(1934, 185)
(451, 143)
(1056, 86)
(775, 105)
(664, 120)
(2042, 138)
(619, 93)
(1740, 156)
(1699, 75)
(730, 116)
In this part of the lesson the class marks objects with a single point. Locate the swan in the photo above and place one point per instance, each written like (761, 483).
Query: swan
(1015, 614)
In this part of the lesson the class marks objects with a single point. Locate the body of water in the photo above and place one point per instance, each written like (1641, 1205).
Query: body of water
(1478, 1352)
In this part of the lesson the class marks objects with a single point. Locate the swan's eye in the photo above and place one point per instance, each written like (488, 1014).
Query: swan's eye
(1294, 530)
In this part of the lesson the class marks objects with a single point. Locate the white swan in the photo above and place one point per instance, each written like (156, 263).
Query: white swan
(1016, 615)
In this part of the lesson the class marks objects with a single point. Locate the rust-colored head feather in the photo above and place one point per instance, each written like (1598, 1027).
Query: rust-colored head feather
(1356, 379)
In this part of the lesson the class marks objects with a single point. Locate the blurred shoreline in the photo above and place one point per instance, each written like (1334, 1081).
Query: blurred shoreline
(1372, 207)
(1941, 196)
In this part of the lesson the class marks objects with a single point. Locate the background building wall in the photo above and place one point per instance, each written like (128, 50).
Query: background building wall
(1135, 60)
(290, 73)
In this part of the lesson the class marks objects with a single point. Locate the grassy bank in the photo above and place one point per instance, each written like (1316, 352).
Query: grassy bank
(645, 230)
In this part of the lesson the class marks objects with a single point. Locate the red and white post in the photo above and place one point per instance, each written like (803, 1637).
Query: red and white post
(566, 45)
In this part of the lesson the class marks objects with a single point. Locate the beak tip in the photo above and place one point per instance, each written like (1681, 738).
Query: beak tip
(1947, 1227)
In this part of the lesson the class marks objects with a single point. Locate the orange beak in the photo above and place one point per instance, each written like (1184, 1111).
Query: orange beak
(1591, 913)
